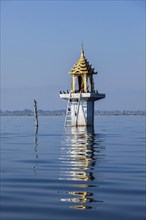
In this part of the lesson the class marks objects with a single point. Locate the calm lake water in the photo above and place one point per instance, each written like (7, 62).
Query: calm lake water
(59, 174)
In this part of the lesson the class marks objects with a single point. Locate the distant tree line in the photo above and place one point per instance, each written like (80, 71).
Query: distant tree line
(28, 112)
(123, 112)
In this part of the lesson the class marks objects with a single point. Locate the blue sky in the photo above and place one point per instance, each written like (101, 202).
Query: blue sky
(41, 41)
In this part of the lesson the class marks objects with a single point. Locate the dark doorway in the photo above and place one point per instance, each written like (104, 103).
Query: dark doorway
(80, 82)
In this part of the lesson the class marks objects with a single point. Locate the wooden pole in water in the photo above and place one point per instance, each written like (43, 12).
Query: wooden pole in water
(35, 113)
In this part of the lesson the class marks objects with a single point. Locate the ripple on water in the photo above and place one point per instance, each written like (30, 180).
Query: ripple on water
(73, 174)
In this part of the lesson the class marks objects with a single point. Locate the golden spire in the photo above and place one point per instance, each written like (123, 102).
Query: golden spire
(82, 66)
(82, 49)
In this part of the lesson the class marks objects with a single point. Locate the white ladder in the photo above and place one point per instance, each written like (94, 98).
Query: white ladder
(68, 113)
(76, 103)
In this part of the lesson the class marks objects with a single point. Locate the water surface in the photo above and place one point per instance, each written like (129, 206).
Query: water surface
(54, 174)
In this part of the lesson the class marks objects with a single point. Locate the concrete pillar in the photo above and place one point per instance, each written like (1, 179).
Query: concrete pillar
(90, 113)
(80, 118)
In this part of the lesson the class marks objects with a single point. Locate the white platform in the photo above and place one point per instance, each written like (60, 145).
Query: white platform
(84, 96)
(80, 108)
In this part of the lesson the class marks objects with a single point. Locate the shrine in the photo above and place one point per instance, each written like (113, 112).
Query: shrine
(82, 95)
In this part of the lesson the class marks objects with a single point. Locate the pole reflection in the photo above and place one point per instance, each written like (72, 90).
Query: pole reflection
(35, 150)
(79, 156)
(36, 142)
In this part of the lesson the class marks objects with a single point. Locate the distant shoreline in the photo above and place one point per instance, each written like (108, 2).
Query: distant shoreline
(28, 112)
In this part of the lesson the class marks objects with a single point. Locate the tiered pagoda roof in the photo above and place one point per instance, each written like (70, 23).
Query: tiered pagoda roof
(82, 66)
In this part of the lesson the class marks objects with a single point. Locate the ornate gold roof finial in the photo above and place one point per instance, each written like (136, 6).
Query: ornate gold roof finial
(82, 49)
(82, 66)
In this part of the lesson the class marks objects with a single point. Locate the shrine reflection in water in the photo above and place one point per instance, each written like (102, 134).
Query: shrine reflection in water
(79, 154)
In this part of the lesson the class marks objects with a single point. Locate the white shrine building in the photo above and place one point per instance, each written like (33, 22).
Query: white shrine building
(82, 95)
